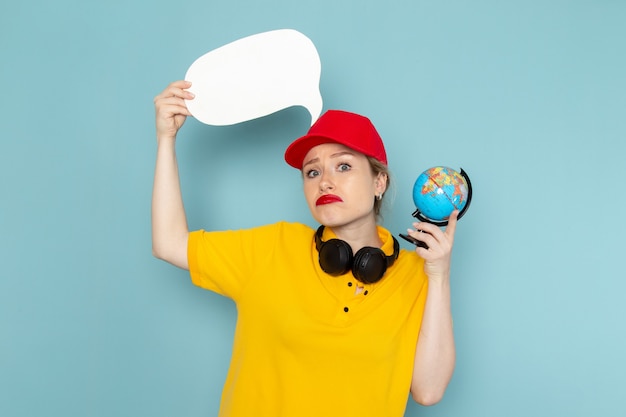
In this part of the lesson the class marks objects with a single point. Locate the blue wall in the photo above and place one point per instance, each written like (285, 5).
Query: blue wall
(527, 96)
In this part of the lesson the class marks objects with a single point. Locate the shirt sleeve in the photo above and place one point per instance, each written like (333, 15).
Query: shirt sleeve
(224, 261)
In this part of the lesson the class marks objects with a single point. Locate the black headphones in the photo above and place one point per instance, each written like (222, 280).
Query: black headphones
(368, 265)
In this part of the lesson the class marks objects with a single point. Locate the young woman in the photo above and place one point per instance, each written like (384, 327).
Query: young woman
(337, 321)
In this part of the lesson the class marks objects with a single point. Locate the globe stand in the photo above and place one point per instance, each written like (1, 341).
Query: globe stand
(418, 215)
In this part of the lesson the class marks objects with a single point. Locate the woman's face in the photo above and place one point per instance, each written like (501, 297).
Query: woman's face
(339, 185)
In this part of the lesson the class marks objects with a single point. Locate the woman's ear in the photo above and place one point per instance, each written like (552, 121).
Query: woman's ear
(381, 183)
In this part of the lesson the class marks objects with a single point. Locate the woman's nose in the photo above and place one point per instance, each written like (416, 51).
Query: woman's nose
(325, 183)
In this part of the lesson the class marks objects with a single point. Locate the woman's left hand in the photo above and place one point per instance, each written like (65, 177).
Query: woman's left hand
(438, 255)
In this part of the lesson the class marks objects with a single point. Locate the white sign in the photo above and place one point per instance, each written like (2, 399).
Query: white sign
(256, 76)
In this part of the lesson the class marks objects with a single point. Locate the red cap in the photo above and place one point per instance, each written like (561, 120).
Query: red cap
(336, 126)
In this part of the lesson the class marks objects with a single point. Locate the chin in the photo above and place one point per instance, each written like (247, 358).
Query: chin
(333, 218)
(329, 221)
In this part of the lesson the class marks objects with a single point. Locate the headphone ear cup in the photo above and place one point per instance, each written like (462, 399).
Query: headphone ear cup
(335, 257)
(369, 265)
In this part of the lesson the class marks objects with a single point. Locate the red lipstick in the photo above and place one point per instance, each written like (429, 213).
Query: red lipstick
(327, 199)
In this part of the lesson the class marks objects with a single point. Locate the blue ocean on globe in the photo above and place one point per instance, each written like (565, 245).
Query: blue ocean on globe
(439, 191)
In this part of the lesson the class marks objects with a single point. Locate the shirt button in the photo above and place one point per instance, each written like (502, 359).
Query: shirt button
(365, 293)
(346, 309)
(349, 284)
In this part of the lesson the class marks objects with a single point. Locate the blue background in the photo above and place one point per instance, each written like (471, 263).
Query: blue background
(527, 96)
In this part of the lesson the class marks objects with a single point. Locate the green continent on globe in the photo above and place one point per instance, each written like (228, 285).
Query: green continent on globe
(444, 177)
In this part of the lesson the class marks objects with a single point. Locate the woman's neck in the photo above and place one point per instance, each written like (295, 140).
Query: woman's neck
(359, 235)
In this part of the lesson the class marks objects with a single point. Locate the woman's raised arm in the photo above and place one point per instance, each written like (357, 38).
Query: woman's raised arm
(169, 222)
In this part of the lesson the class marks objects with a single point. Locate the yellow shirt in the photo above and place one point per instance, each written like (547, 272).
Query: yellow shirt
(307, 343)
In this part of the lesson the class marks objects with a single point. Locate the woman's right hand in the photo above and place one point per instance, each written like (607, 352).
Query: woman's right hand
(171, 110)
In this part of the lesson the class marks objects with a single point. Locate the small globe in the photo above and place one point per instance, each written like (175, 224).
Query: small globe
(439, 191)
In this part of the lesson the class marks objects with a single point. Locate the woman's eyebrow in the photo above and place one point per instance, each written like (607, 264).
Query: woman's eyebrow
(335, 155)
(310, 162)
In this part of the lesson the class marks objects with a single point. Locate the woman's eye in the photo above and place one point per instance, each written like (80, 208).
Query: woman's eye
(312, 173)
(344, 167)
